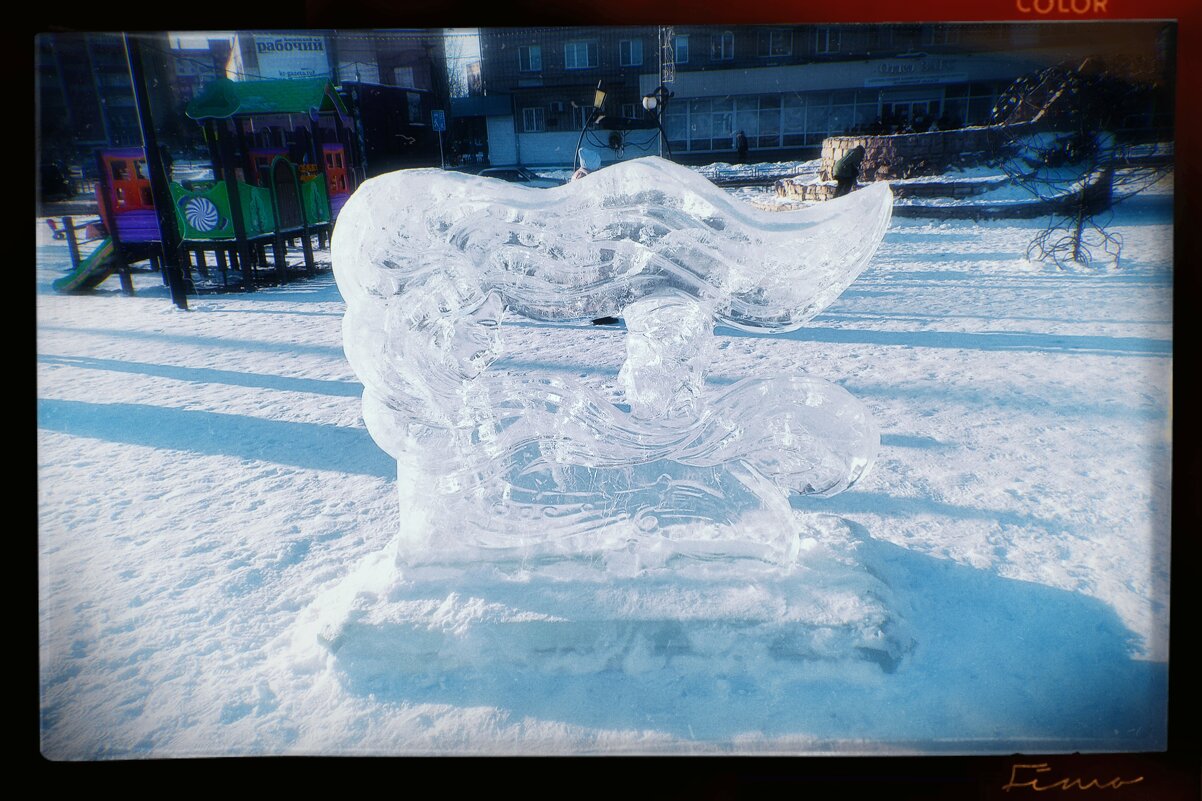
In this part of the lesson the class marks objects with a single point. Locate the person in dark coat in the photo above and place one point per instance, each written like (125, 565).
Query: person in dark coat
(741, 146)
(847, 170)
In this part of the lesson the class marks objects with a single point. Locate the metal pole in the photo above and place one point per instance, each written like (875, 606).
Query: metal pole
(659, 111)
(230, 175)
(579, 142)
(72, 245)
(169, 237)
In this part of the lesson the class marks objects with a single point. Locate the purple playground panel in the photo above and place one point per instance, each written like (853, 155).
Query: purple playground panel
(336, 204)
(137, 225)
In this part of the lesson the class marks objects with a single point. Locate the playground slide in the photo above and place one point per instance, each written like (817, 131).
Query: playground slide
(94, 269)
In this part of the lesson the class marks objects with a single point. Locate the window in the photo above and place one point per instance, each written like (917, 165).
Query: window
(817, 115)
(676, 126)
(530, 58)
(630, 52)
(982, 97)
(534, 120)
(940, 35)
(769, 122)
(775, 43)
(793, 120)
(580, 115)
(579, 55)
(826, 40)
(403, 76)
(722, 46)
(722, 122)
(630, 111)
(700, 124)
(681, 46)
(414, 101)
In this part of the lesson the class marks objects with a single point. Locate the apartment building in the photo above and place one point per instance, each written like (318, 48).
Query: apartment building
(786, 87)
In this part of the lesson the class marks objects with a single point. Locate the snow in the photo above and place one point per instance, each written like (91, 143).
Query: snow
(721, 170)
(207, 491)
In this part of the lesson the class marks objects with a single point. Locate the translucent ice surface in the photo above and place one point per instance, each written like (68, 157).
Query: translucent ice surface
(432, 264)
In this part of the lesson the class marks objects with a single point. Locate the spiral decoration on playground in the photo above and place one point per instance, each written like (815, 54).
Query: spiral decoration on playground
(202, 214)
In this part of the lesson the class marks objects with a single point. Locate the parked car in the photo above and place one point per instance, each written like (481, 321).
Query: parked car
(519, 175)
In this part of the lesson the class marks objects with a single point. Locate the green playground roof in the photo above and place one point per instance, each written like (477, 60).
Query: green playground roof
(223, 98)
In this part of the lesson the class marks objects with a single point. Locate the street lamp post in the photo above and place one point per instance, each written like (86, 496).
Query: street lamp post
(598, 103)
(654, 103)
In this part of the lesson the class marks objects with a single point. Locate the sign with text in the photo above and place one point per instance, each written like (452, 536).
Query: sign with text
(292, 56)
(438, 118)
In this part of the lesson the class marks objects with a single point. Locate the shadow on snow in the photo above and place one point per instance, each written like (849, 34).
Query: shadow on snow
(308, 445)
(203, 341)
(987, 341)
(207, 375)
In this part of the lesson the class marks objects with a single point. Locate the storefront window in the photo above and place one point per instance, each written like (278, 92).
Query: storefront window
(769, 119)
(676, 127)
(817, 116)
(700, 124)
(793, 120)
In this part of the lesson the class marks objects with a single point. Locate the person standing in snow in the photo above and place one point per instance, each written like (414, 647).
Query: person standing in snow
(741, 146)
(847, 170)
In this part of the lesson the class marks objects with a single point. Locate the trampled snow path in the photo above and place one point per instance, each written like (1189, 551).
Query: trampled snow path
(204, 476)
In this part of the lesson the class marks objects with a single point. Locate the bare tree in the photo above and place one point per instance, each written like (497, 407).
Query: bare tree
(1068, 144)
(456, 61)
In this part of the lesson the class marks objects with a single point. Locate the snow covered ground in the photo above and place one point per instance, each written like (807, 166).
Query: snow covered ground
(205, 476)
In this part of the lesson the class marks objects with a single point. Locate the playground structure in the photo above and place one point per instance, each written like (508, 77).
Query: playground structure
(281, 154)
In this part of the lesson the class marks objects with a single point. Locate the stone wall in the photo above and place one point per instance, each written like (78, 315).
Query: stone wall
(903, 189)
(806, 192)
(917, 154)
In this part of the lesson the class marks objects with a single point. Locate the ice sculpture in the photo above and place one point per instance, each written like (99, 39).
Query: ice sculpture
(430, 264)
(539, 476)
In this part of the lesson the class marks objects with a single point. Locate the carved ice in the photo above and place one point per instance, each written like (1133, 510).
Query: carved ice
(430, 264)
(525, 468)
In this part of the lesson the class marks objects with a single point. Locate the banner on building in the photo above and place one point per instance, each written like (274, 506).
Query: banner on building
(292, 56)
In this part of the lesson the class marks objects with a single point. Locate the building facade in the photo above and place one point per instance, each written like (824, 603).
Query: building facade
(85, 99)
(787, 88)
(84, 96)
(409, 59)
(194, 64)
(550, 76)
